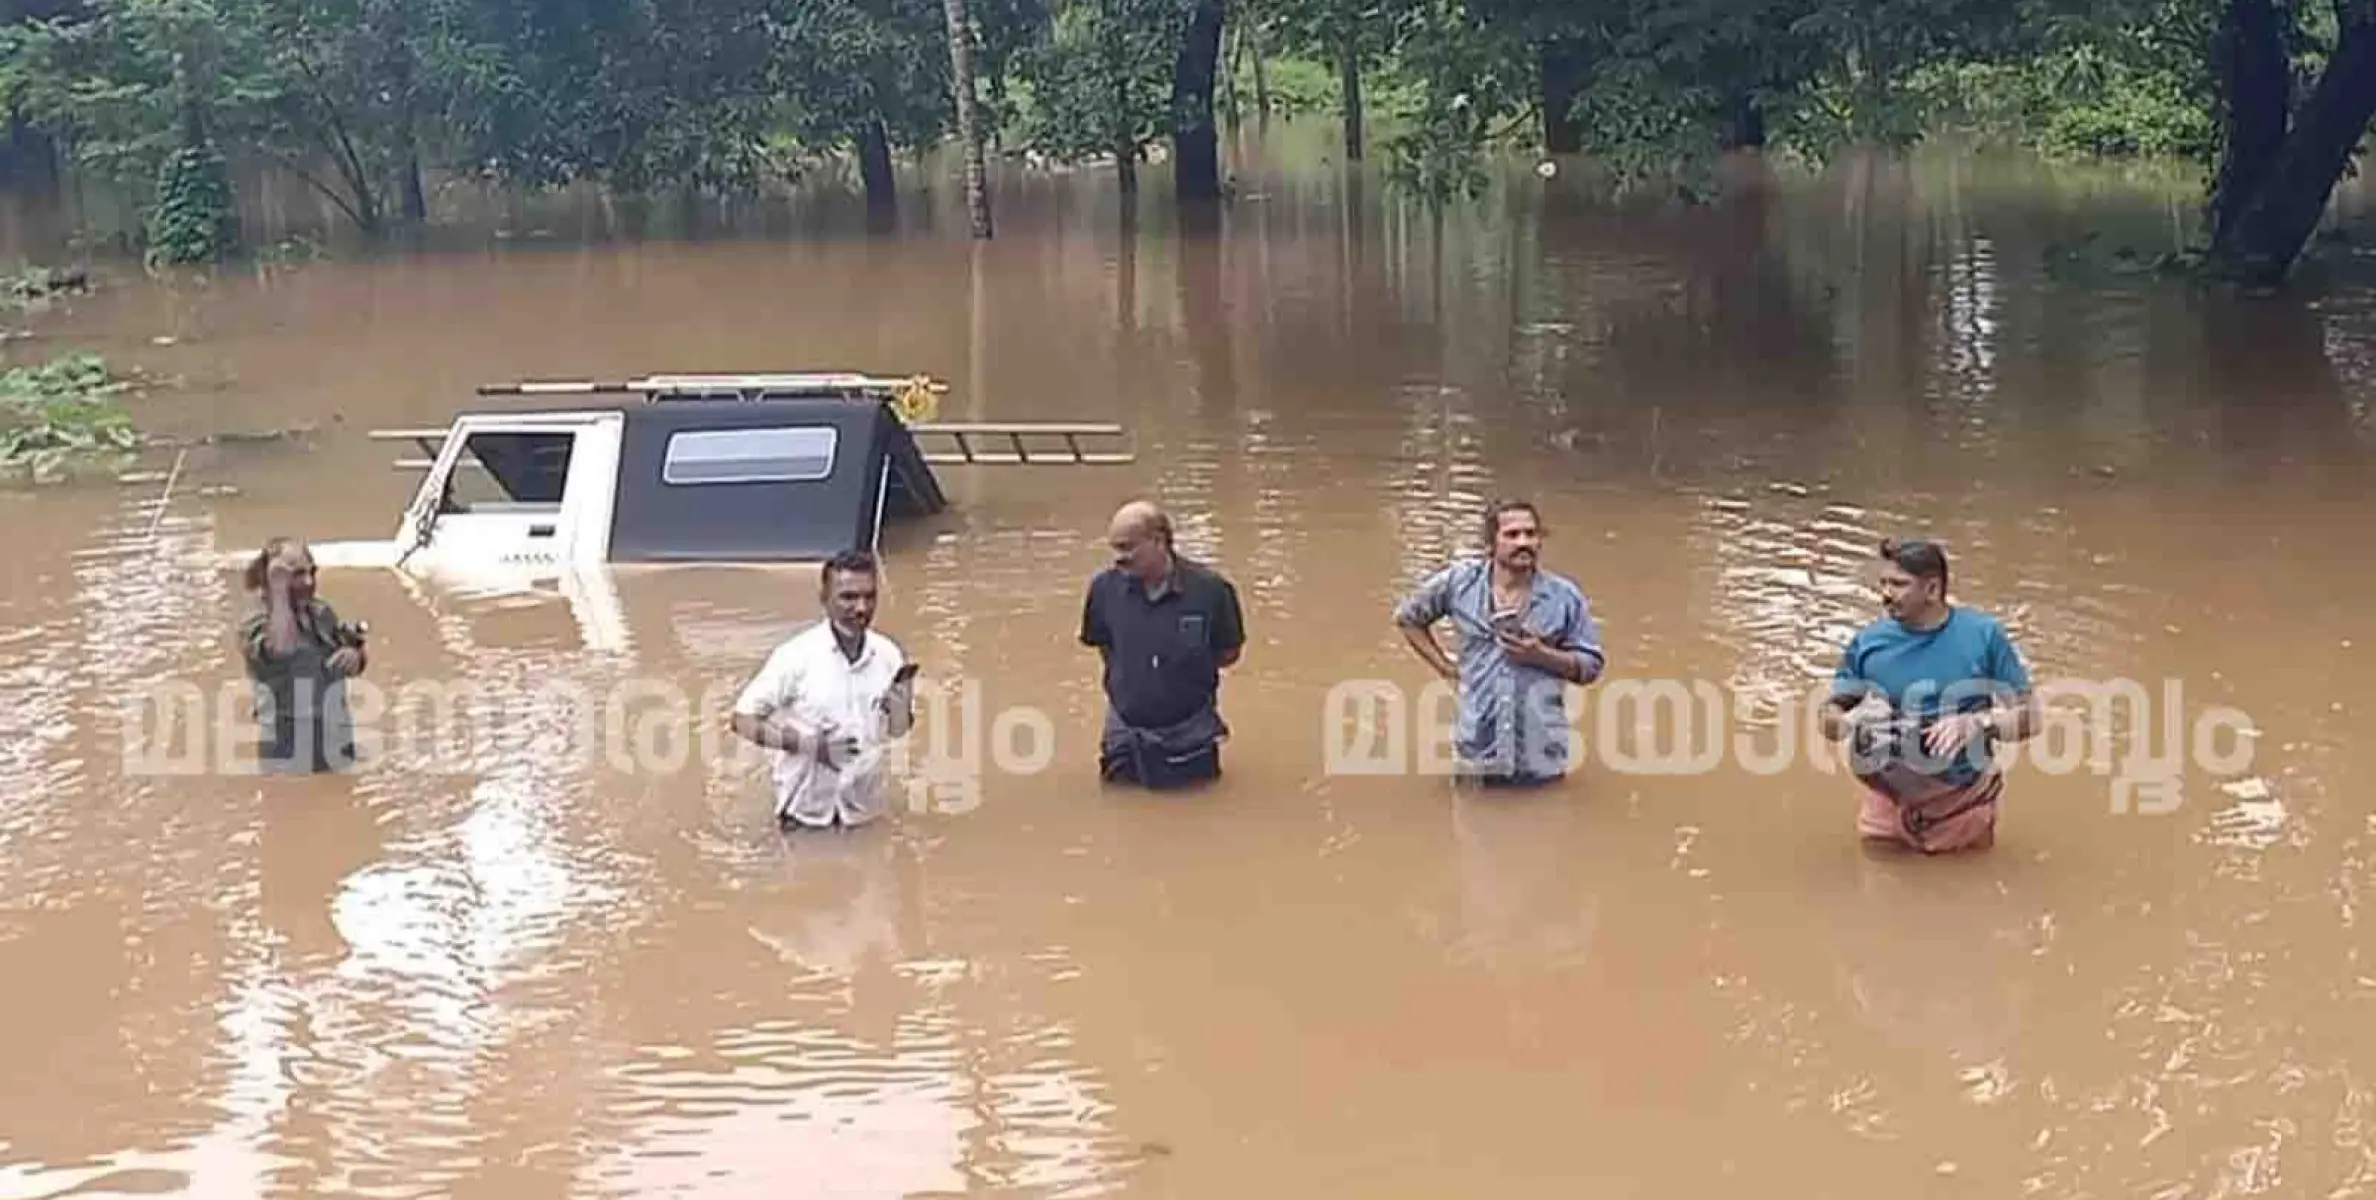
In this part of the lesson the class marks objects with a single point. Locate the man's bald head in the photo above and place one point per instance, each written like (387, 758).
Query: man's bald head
(1137, 518)
(1141, 536)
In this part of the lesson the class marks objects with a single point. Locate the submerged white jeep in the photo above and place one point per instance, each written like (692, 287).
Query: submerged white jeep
(772, 468)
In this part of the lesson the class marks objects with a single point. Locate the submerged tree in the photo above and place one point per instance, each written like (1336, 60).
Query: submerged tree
(873, 73)
(149, 94)
(1352, 36)
(961, 80)
(1196, 136)
(1467, 74)
(634, 94)
(151, 91)
(1102, 81)
(365, 99)
(2279, 160)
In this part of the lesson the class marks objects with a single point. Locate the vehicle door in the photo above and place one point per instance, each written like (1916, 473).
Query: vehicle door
(518, 492)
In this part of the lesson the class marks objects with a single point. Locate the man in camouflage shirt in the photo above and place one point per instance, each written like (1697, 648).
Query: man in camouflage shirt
(300, 656)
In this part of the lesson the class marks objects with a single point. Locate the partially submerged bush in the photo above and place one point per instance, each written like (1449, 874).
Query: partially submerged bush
(33, 287)
(60, 413)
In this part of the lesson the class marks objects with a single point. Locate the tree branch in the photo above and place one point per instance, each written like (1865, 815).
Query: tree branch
(307, 177)
(341, 147)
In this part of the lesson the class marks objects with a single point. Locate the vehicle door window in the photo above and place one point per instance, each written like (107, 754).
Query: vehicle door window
(509, 471)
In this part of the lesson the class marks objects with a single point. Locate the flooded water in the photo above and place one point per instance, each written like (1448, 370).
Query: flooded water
(536, 970)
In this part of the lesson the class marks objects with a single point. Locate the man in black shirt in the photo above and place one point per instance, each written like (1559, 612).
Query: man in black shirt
(1165, 626)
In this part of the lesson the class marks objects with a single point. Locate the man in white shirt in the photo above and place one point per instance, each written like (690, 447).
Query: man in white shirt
(829, 702)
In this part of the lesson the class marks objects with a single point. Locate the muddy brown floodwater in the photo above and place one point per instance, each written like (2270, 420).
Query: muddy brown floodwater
(534, 969)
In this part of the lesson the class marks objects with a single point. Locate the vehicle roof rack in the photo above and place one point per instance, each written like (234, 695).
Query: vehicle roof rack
(912, 398)
(757, 386)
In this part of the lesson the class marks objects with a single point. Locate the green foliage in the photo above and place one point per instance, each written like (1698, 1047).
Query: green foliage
(1307, 41)
(1644, 134)
(2124, 112)
(1101, 83)
(1462, 73)
(2131, 83)
(1667, 78)
(1667, 83)
(1301, 87)
(1851, 61)
(1836, 110)
(155, 93)
(1664, 78)
(842, 63)
(192, 219)
(61, 412)
(643, 96)
(136, 85)
(357, 96)
(1003, 30)
(120, 78)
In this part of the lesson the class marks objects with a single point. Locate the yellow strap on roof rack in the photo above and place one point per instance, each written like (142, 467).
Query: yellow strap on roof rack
(917, 399)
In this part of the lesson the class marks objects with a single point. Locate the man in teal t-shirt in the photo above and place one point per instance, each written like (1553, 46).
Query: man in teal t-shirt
(1923, 693)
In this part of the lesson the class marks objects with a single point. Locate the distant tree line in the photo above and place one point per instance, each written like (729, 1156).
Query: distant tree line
(362, 98)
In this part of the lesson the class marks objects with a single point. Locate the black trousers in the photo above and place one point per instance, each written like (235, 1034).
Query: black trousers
(311, 748)
(1138, 761)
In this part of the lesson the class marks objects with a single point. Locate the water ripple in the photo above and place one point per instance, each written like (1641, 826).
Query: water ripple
(930, 1111)
(1791, 590)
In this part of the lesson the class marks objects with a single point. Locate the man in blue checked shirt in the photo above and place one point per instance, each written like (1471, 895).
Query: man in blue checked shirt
(1525, 634)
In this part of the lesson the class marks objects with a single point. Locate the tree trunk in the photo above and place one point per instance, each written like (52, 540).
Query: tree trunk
(27, 154)
(1196, 144)
(1748, 124)
(1124, 132)
(411, 194)
(874, 167)
(1562, 76)
(961, 77)
(995, 136)
(1231, 64)
(416, 194)
(2268, 214)
(2254, 82)
(1349, 76)
(1262, 105)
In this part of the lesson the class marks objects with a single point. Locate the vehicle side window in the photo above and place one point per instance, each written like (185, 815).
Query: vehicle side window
(791, 454)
